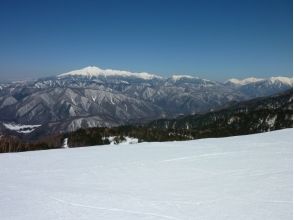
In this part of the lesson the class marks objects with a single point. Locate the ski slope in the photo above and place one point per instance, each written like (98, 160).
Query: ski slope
(244, 178)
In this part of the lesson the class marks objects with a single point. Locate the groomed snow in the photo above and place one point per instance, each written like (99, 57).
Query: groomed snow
(244, 178)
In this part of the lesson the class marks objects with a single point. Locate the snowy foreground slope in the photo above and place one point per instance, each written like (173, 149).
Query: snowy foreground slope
(245, 177)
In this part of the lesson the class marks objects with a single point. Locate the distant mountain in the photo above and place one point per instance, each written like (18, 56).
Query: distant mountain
(248, 117)
(253, 116)
(92, 97)
(92, 71)
(272, 80)
(254, 87)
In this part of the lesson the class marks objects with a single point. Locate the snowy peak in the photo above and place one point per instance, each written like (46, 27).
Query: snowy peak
(282, 80)
(190, 79)
(93, 71)
(179, 77)
(244, 81)
(251, 80)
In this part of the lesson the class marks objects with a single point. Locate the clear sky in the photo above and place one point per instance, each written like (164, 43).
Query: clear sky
(213, 39)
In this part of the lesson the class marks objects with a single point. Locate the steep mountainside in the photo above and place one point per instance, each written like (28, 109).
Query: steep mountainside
(254, 116)
(261, 87)
(257, 115)
(93, 97)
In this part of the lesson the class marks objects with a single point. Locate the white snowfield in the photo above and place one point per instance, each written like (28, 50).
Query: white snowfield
(235, 178)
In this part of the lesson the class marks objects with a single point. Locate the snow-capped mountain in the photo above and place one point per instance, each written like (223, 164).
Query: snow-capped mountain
(93, 71)
(261, 87)
(252, 80)
(181, 77)
(93, 96)
(242, 82)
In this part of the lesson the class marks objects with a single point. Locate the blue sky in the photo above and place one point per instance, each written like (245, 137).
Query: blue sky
(214, 39)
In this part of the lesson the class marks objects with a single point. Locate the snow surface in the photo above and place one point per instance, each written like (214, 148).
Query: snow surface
(91, 71)
(244, 178)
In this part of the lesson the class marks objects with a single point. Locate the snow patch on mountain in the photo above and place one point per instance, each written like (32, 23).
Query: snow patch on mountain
(25, 129)
(93, 71)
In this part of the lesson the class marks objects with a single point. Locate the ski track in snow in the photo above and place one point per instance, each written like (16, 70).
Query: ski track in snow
(201, 156)
(242, 177)
(113, 209)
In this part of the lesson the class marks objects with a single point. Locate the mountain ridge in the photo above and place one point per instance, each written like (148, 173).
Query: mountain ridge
(92, 71)
(69, 102)
(248, 117)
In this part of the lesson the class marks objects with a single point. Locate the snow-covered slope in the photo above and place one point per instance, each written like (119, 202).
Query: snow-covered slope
(93, 71)
(245, 177)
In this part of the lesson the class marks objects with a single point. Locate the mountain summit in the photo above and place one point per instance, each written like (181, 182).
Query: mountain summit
(93, 71)
(252, 80)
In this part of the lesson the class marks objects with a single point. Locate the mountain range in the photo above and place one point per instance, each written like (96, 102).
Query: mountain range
(247, 117)
(93, 97)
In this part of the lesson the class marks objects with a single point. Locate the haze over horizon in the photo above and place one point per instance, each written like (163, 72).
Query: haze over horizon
(215, 40)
